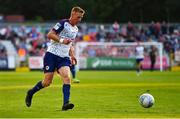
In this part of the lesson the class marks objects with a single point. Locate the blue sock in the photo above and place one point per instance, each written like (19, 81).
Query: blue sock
(37, 87)
(73, 71)
(66, 92)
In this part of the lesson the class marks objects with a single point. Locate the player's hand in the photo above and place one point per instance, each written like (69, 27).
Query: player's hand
(67, 41)
(73, 60)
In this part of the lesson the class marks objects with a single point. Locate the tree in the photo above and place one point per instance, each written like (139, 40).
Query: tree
(96, 10)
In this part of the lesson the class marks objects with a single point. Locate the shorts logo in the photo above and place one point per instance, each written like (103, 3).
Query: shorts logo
(47, 67)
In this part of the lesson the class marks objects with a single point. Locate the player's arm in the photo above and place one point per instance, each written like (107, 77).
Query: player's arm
(53, 33)
(72, 55)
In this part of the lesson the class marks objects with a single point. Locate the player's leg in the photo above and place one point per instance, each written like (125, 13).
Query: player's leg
(65, 74)
(41, 84)
(152, 63)
(49, 68)
(73, 72)
(151, 68)
(138, 66)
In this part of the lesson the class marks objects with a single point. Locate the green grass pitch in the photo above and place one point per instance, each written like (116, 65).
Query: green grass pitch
(101, 94)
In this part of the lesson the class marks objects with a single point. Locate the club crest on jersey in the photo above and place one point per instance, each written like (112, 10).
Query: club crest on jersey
(56, 27)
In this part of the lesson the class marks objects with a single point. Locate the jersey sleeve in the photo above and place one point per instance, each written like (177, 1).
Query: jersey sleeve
(59, 27)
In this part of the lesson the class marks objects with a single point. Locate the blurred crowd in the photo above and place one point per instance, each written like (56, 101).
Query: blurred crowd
(3, 52)
(168, 34)
(31, 40)
(109, 51)
(26, 40)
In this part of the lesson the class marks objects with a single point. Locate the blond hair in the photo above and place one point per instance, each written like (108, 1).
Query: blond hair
(78, 9)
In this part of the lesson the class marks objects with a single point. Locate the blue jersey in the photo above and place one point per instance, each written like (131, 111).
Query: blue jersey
(65, 30)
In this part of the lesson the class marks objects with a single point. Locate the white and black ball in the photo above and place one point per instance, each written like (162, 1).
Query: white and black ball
(146, 100)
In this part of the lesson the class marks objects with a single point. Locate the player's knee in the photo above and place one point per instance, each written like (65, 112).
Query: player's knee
(46, 82)
(66, 75)
(66, 79)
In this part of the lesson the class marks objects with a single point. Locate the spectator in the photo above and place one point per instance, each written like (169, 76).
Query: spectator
(152, 56)
(115, 27)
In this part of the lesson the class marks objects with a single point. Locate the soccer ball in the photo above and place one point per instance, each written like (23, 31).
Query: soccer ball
(146, 100)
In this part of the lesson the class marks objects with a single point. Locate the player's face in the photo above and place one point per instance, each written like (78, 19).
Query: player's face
(76, 17)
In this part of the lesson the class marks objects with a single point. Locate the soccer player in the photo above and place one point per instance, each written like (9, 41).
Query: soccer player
(59, 56)
(73, 71)
(152, 55)
(139, 51)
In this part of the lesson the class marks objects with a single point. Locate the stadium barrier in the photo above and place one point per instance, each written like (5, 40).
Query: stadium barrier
(110, 63)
